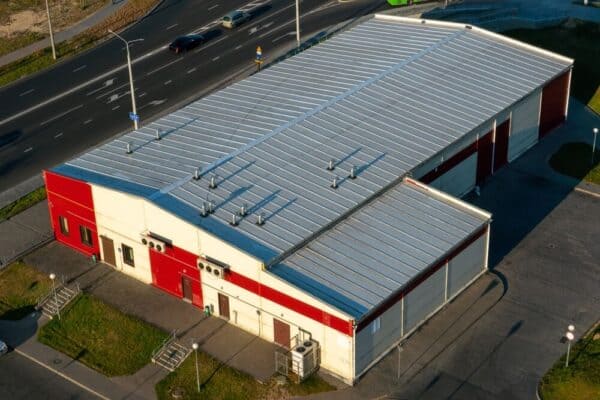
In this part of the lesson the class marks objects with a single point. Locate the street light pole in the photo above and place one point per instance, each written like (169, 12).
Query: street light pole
(52, 277)
(50, 29)
(298, 23)
(195, 347)
(131, 88)
(595, 130)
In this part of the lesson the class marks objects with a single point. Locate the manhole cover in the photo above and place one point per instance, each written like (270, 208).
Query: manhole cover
(177, 393)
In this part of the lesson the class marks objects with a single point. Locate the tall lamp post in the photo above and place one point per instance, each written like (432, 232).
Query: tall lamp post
(131, 88)
(570, 336)
(195, 347)
(51, 33)
(298, 23)
(52, 277)
(595, 130)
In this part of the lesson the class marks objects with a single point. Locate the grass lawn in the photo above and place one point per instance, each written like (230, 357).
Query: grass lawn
(23, 203)
(102, 337)
(579, 42)
(575, 159)
(20, 288)
(581, 380)
(220, 382)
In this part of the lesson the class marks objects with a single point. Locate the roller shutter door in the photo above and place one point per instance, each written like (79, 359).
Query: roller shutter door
(524, 126)
(424, 299)
(460, 179)
(554, 103)
(466, 265)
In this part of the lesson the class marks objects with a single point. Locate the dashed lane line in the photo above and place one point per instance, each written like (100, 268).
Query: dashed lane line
(62, 114)
(79, 68)
(58, 135)
(25, 93)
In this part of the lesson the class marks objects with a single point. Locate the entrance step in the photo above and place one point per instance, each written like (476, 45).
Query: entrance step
(57, 299)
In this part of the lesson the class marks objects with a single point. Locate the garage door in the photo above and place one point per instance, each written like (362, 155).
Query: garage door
(524, 126)
(424, 299)
(460, 179)
(465, 266)
(554, 103)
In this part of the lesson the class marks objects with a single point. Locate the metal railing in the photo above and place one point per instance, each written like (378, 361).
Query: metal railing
(172, 337)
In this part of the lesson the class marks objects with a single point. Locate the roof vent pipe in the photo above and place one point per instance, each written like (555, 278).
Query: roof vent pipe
(213, 182)
(260, 219)
(331, 165)
(203, 210)
(210, 207)
(352, 172)
(128, 151)
(157, 137)
(334, 183)
(197, 174)
(234, 220)
(244, 210)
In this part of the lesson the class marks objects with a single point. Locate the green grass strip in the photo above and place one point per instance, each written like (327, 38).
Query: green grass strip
(20, 288)
(17, 206)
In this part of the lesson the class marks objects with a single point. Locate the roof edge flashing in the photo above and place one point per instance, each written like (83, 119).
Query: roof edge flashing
(458, 25)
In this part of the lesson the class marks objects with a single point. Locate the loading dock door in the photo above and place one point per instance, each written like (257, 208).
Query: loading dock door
(281, 333)
(223, 306)
(108, 251)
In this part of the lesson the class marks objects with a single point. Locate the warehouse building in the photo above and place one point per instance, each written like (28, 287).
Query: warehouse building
(318, 198)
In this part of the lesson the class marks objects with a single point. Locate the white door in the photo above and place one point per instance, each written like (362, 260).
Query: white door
(524, 125)
(460, 179)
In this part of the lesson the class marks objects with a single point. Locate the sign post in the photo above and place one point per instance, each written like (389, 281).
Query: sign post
(259, 58)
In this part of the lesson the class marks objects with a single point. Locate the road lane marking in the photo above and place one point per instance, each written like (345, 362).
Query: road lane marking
(211, 44)
(168, 82)
(62, 114)
(27, 150)
(112, 90)
(79, 68)
(238, 47)
(87, 121)
(267, 33)
(164, 66)
(283, 36)
(216, 58)
(58, 135)
(256, 23)
(587, 192)
(25, 93)
(189, 71)
(115, 107)
(213, 7)
(171, 27)
(62, 375)
(142, 94)
(104, 86)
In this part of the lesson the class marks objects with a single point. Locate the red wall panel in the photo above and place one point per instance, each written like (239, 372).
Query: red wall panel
(485, 150)
(168, 267)
(555, 96)
(72, 199)
(501, 145)
(449, 163)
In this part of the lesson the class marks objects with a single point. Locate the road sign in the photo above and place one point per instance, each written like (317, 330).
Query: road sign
(133, 116)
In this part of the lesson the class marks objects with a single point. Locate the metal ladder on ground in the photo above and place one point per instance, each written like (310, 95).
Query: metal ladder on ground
(58, 298)
(171, 353)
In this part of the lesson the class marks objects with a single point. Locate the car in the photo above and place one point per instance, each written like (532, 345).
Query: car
(187, 42)
(235, 18)
(3, 348)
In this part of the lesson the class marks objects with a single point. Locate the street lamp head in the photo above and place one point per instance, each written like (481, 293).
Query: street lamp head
(595, 130)
(571, 328)
(52, 276)
(570, 336)
(195, 346)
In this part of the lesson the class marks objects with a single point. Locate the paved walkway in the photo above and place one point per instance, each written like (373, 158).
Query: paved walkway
(90, 21)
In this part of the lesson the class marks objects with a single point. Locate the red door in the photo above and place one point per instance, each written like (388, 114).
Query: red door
(501, 145)
(554, 103)
(281, 333)
(485, 150)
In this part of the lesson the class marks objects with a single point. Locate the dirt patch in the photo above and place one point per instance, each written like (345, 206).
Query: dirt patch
(22, 21)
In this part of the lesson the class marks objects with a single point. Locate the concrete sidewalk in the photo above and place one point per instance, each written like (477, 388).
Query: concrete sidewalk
(90, 21)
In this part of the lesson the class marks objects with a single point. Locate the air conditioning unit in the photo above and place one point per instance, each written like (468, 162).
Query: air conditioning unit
(153, 243)
(211, 266)
(305, 358)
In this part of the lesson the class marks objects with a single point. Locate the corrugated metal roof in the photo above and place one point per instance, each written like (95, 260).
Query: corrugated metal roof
(380, 248)
(383, 96)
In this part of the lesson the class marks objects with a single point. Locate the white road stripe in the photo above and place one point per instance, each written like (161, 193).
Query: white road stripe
(112, 90)
(171, 27)
(267, 33)
(211, 44)
(164, 66)
(587, 192)
(216, 58)
(283, 36)
(27, 150)
(61, 115)
(256, 23)
(238, 47)
(65, 377)
(79, 68)
(189, 71)
(142, 94)
(25, 93)
(87, 121)
(58, 135)
(115, 107)
(213, 7)
(168, 82)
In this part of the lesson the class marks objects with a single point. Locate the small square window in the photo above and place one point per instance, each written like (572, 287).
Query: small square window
(375, 325)
(127, 255)
(86, 235)
(64, 225)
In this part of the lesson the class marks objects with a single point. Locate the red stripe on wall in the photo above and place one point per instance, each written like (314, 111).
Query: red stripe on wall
(555, 96)
(291, 303)
(395, 298)
(72, 199)
(450, 163)
(501, 145)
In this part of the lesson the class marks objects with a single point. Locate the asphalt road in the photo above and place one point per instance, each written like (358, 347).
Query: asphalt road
(21, 378)
(48, 118)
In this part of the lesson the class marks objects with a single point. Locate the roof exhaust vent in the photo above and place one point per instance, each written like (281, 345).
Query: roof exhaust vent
(352, 172)
(234, 219)
(244, 210)
(128, 151)
(260, 219)
(213, 182)
(157, 137)
(204, 209)
(334, 183)
(197, 174)
(331, 165)
(210, 207)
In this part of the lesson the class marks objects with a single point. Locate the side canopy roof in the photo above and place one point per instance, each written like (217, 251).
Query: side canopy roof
(381, 97)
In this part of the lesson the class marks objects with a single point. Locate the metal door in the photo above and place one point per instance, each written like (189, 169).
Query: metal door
(108, 249)
(223, 306)
(186, 288)
(281, 333)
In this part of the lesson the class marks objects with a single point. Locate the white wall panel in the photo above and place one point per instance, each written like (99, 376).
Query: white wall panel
(524, 125)
(424, 299)
(466, 266)
(460, 179)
